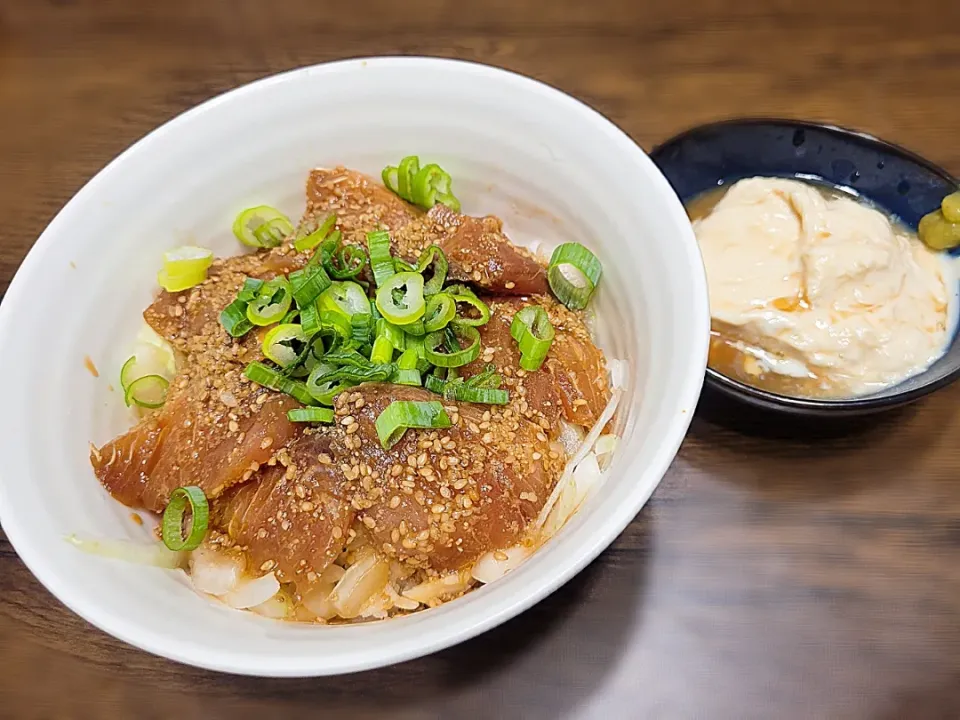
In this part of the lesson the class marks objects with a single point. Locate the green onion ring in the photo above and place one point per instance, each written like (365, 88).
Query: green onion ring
(456, 358)
(310, 414)
(400, 415)
(285, 345)
(149, 391)
(261, 227)
(269, 378)
(534, 334)
(310, 240)
(381, 261)
(573, 274)
(171, 526)
(400, 299)
(440, 310)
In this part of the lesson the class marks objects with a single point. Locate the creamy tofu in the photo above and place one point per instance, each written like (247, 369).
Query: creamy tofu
(824, 284)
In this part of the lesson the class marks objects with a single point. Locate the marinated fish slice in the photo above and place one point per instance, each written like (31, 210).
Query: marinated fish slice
(439, 499)
(215, 428)
(194, 442)
(295, 516)
(361, 203)
(572, 382)
(476, 248)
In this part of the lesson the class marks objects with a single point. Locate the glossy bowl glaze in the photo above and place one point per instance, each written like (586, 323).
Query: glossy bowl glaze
(551, 167)
(896, 180)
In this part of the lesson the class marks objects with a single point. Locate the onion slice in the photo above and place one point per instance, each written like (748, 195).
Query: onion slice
(154, 554)
(585, 447)
(252, 592)
(494, 565)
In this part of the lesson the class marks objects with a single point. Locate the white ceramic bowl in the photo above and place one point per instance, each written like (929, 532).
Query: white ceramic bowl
(552, 168)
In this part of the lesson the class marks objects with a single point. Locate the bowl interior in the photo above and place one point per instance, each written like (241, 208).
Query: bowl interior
(894, 179)
(81, 290)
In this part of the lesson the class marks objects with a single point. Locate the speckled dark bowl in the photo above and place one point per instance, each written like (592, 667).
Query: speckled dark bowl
(893, 178)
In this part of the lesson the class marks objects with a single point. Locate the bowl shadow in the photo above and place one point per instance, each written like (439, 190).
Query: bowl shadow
(794, 457)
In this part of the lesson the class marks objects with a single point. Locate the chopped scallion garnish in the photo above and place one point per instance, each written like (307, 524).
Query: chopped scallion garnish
(381, 262)
(534, 333)
(309, 241)
(573, 274)
(269, 378)
(310, 414)
(171, 526)
(441, 309)
(262, 227)
(424, 186)
(400, 415)
(149, 391)
(286, 345)
(272, 302)
(448, 338)
(400, 298)
(435, 259)
(234, 316)
(184, 267)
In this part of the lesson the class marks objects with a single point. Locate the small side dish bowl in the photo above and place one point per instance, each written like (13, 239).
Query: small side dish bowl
(553, 169)
(890, 177)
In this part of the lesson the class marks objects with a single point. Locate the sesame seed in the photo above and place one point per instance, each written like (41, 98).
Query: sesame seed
(306, 506)
(347, 421)
(536, 456)
(233, 426)
(369, 522)
(395, 501)
(510, 285)
(337, 532)
(267, 442)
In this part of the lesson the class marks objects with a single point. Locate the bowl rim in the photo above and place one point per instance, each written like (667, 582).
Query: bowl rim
(771, 400)
(470, 623)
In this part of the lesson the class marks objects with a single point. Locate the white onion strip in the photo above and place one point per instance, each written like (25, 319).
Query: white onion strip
(587, 445)
(155, 554)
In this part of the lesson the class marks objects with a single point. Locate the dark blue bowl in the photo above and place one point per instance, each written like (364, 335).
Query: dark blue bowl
(894, 179)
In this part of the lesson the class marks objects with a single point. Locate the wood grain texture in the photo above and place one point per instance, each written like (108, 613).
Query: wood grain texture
(779, 571)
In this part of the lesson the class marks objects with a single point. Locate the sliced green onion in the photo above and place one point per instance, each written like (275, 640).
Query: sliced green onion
(311, 240)
(409, 359)
(346, 298)
(326, 381)
(361, 328)
(270, 378)
(325, 391)
(346, 357)
(346, 262)
(407, 172)
(440, 310)
(452, 358)
(472, 301)
(429, 182)
(433, 383)
(534, 334)
(184, 267)
(271, 303)
(424, 186)
(149, 359)
(308, 283)
(149, 391)
(434, 258)
(262, 227)
(390, 177)
(335, 325)
(171, 527)
(290, 317)
(400, 415)
(234, 316)
(310, 320)
(396, 336)
(378, 247)
(409, 377)
(487, 396)
(382, 350)
(416, 328)
(286, 345)
(310, 414)
(573, 274)
(400, 298)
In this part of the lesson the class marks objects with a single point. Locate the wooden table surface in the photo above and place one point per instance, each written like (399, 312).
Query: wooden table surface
(780, 571)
